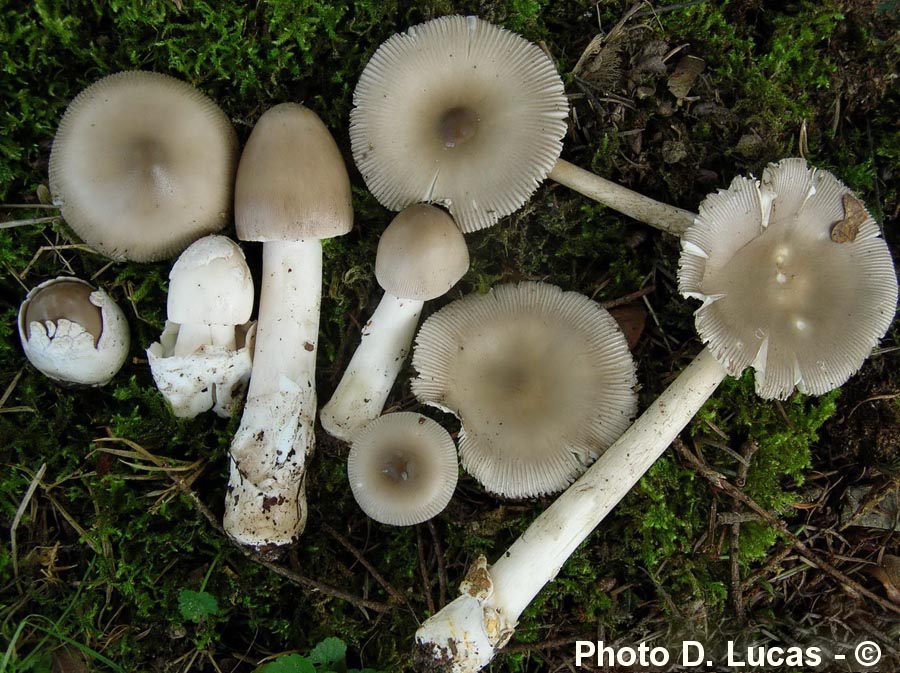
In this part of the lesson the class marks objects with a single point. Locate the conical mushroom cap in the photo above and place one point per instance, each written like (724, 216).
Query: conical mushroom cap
(541, 379)
(292, 183)
(794, 277)
(402, 468)
(142, 165)
(421, 254)
(459, 112)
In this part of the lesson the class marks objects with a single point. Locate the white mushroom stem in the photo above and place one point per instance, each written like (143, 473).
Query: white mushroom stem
(367, 382)
(466, 634)
(193, 336)
(641, 208)
(266, 502)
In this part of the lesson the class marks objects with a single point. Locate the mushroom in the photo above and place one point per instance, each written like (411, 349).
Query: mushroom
(142, 165)
(402, 468)
(292, 190)
(203, 357)
(745, 238)
(460, 112)
(541, 379)
(73, 333)
(421, 255)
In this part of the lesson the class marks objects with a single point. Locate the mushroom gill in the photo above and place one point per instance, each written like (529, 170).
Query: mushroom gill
(541, 379)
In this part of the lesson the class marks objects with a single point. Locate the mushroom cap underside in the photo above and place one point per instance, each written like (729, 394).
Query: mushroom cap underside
(795, 279)
(402, 468)
(459, 112)
(541, 379)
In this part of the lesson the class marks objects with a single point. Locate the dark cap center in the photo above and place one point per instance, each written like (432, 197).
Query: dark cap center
(457, 126)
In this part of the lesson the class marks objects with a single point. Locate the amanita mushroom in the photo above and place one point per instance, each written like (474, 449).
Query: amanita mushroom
(203, 358)
(460, 112)
(73, 333)
(402, 468)
(421, 255)
(142, 165)
(799, 250)
(541, 379)
(292, 190)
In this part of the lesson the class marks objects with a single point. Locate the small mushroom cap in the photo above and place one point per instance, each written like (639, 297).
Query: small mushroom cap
(541, 379)
(210, 284)
(459, 112)
(402, 468)
(64, 298)
(142, 165)
(72, 333)
(421, 254)
(794, 277)
(292, 183)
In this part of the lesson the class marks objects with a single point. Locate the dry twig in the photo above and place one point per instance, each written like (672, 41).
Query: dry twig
(718, 480)
(395, 595)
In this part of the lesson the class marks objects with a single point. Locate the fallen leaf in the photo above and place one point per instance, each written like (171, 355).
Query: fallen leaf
(631, 318)
(686, 72)
(889, 575)
(855, 215)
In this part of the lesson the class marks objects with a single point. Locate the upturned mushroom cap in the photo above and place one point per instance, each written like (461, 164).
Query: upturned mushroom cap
(421, 254)
(210, 284)
(142, 165)
(292, 183)
(794, 277)
(72, 333)
(460, 112)
(402, 468)
(541, 379)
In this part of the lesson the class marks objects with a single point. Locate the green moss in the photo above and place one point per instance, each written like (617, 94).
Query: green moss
(784, 432)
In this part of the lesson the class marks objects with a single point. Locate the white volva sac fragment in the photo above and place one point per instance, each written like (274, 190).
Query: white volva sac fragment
(72, 333)
(203, 358)
(214, 379)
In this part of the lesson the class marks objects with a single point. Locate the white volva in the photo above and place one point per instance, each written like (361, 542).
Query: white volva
(203, 358)
(59, 339)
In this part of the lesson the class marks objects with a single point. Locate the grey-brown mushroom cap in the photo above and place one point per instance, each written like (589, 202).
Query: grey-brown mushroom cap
(421, 254)
(402, 468)
(459, 112)
(292, 182)
(541, 379)
(779, 293)
(142, 165)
